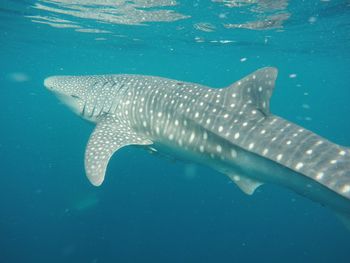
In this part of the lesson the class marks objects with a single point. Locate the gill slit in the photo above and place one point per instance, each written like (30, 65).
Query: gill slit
(84, 108)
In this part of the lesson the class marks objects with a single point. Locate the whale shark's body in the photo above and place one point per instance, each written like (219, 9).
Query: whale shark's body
(229, 129)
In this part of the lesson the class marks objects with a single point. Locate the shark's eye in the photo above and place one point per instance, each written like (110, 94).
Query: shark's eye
(75, 96)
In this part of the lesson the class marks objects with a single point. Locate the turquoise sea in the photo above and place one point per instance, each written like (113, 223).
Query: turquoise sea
(151, 208)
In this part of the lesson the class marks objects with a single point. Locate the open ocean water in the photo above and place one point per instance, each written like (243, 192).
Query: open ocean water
(151, 208)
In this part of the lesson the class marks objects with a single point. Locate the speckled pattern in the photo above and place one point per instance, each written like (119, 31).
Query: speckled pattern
(134, 109)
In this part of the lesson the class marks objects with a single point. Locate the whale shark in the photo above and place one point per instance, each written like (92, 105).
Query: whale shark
(229, 129)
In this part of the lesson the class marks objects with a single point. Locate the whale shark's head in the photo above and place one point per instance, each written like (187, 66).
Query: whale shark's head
(71, 90)
(76, 92)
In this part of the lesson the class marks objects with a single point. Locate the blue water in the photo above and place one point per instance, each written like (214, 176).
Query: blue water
(150, 208)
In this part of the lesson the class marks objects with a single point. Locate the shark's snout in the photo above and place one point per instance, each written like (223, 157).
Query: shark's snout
(49, 82)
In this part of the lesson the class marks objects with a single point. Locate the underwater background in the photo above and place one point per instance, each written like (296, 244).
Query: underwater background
(150, 208)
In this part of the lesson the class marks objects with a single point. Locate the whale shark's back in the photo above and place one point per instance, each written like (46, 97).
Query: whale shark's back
(243, 117)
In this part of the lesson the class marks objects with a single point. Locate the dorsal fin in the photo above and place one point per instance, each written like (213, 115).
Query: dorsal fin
(255, 89)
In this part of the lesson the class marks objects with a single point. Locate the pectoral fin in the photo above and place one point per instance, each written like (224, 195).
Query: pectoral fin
(247, 185)
(109, 135)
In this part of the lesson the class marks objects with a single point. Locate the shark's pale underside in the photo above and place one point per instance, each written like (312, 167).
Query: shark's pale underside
(229, 129)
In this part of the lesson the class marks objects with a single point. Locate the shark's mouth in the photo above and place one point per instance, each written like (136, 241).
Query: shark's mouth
(73, 102)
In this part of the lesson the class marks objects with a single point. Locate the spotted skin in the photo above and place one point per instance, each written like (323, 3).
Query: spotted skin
(103, 143)
(230, 129)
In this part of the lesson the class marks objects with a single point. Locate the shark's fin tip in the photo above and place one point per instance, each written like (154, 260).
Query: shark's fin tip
(109, 136)
(247, 185)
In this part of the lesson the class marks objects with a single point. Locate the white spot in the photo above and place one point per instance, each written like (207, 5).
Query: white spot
(345, 188)
(218, 148)
(319, 175)
(226, 116)
(159, 114)
(245, 124)
(176, 123)
(260, 89)
(208, 121)
(205, 135)
(201, 148)
(299, 166)
(279, 157)
(253, 111)
(234, 94)
(192, 136)
(196, 115)
(214, 110)
(243, 59)
(333, 161)
(293, 75)
(263, 132)
(288, 142)
(251, 146)
(232, 105)
(309, 152)
(220, 129)
(265, 151)
(171, 137)
(236, 135)
(233, 153)
(342, 153)
(236, 178)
